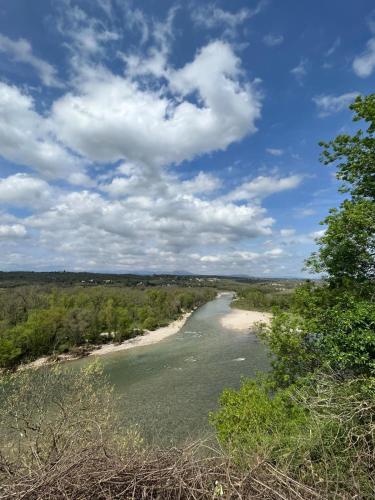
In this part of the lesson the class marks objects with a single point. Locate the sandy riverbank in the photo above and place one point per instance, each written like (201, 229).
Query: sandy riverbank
(238, 319)
(148, 337)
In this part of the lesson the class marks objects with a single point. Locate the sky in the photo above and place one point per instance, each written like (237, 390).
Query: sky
(164, 136)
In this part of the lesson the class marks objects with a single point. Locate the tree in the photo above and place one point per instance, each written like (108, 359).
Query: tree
(347, 249)
(333, 323)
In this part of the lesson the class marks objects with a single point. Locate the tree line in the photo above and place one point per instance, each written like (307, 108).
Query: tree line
(263, 298)
(43, 320)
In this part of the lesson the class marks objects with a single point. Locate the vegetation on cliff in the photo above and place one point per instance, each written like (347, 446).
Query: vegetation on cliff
(312, 417)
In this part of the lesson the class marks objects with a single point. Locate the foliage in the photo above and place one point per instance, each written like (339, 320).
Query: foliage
(263, 298)
(36, 321)
(292, 347)
(354, 155)
(43, 412)
(347, 250)
(320, 432)
(252, 422)
(60, 438)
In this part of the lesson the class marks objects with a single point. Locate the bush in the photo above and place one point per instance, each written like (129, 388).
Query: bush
(47, 411)
(347, 335)
(320, 432)
(253, 423)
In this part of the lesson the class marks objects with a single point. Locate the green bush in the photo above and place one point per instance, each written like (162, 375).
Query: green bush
(319, 432)
(253, 422)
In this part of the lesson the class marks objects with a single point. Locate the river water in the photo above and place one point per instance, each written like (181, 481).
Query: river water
(168, 389)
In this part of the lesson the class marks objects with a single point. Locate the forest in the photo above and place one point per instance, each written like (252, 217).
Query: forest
(45, 320)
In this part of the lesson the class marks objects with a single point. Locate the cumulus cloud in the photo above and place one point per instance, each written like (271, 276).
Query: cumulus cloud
(144, 229)
(364, 64)
(317, 234)
(129, 129)
(202, 183)
(21, 51)
(272, 40)
(10, 232)
(263, 186)
(110, 118)
(26, 138)
(330, 104)
(22, 190)
(165, 225)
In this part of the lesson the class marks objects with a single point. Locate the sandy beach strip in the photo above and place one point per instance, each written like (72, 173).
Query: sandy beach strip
(148, 337)
(239, 319)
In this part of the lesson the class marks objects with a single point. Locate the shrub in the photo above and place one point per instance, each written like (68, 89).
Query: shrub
(251, 422)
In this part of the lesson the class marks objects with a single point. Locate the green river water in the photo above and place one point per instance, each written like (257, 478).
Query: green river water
(168, 389)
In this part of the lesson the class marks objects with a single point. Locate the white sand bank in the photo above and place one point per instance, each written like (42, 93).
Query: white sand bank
(149, 337)
(238, 319)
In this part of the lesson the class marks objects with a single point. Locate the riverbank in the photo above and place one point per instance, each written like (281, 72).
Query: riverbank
(147, 338)
(239, 319)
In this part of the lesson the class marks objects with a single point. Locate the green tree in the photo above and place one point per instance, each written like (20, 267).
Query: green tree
(347, 249)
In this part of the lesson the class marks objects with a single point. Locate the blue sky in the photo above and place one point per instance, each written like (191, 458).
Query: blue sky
(163, 136)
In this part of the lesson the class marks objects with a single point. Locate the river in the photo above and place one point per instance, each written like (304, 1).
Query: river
(168, 389)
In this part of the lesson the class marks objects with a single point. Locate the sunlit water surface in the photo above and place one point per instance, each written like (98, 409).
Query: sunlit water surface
(168, 389)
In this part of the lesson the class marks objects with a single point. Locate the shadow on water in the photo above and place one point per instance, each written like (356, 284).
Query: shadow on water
(168, 389)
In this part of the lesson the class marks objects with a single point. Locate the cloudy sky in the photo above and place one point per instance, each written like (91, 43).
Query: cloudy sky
(160, 135)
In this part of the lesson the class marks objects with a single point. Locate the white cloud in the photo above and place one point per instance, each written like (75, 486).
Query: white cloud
(26, 138)
(272, 39)
(202, 183)
(136, 21)
(11, 232)
(336, 44)
(307, 212)
(130, 128)
(110, 118)
(210, 16)
(274, 151)
(21, 51)
(22, 190)
(330, 104)
(300, 71)
(143, 229)
(106, 6)
(287, 233)
(263, 186)
(364, 64)
(88, 36)
(317, 234)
